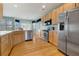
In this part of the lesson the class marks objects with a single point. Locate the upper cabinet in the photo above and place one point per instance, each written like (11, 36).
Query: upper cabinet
(69, 6)
(48, 16)
(1, 10)
(77, 5)
(54, 16)
(43, 18)
(60, 10)
(56, 12)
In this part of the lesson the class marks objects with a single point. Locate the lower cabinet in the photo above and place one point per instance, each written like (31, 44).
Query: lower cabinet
(5, 49)
(8, 41)
(53, 37)
(18, 37)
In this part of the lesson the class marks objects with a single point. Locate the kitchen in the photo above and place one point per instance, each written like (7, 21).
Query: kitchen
(36, 32)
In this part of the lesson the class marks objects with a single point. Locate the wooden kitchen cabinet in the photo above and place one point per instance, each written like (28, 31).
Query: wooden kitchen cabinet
(18, 37)
(77, 5)
(1, 10)
(50, 15)
(60, 10)
(54, 17)
(9, 40)
(43, 18)
(4, 45)
(55, 41)
(46, 17)
(53, 37)
(69, 6)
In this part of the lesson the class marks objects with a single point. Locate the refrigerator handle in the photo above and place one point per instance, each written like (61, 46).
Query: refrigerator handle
(68, 26)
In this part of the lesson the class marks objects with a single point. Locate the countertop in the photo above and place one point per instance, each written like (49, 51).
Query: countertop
(4, 32)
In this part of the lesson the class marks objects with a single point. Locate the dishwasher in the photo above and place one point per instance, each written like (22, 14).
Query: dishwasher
(28, 35)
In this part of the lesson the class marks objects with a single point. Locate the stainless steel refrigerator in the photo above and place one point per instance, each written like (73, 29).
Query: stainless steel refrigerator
(68, 41)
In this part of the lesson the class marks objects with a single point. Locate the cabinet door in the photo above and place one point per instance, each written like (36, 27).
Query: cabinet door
(77, 5)
(51, 37)
(42, 18)
(54, 16)
(55, 40)
(60, 10)
(10, 39)
(50, 15)
(5, 46)
(1, 10)
(69, 6)
(46, 17)
(18, 37)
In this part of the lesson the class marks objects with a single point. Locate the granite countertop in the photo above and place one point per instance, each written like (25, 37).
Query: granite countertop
(4, 32)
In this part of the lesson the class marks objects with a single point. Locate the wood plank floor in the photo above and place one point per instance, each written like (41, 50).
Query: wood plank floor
(37, 47)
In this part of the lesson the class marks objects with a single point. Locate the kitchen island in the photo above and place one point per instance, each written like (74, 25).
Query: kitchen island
(9, 39)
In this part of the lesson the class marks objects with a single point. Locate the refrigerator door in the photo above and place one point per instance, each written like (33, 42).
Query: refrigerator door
(73, 33)
(62, 32)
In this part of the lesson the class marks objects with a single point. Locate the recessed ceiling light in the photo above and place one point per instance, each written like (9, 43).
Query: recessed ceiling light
(43, 6)
(15, 5)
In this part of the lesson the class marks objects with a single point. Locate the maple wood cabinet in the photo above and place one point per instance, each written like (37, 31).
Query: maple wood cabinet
(50, 15)
(9, 40)
(43, 18)
(60, 10)
(77, 5)
(53, 37)
(1, 10)
(4, 45)
(18, 37)
(54, 16)
(69, 6)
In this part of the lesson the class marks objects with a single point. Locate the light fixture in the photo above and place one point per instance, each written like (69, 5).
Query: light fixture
(15, 5)
(43, 6)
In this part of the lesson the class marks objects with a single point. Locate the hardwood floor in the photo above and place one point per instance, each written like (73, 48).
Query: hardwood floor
(37, 47)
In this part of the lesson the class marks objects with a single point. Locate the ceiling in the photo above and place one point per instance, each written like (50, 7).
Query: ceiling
(29, 11)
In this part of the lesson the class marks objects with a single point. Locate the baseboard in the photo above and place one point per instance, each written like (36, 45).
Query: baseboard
(63, 52)
(52, 43)
(29, 40)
